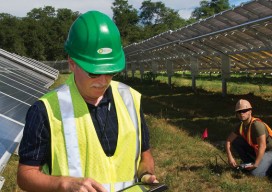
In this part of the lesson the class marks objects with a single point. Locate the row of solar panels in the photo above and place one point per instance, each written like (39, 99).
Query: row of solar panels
(22, 82)
(243, 33)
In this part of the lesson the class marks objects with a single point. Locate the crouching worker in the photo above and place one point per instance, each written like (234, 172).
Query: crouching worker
(252, 140)
(90, 133)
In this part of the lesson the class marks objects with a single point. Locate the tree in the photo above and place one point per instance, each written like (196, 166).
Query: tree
(44, 35)
(208, 9)
(157, 18)
(40, 35)
(126, 19)
(61, 25)
(32, 35)
(10, 38)
(50, 31)
(40, 13)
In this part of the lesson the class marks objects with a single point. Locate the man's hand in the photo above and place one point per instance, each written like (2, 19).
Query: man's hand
(146, 168)
(80, 185)
(230, 139)
(30, 178)
(149, 178)
(250, 167)
(232, 162)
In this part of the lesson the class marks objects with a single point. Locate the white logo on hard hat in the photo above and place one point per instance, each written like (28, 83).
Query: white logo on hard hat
(104, 51)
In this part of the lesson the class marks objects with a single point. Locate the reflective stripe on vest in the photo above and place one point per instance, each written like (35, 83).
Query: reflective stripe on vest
(69, 126)
(248, 136)
(127, 98)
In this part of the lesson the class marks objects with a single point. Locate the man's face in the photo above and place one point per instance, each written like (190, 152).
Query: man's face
(244, 115)
(90, 88)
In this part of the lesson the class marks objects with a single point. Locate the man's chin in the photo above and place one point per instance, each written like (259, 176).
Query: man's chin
(97, 91)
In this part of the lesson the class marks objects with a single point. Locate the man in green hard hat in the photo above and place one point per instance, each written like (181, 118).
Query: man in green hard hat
(90, 133)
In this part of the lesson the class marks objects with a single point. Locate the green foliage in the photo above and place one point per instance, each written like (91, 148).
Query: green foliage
(156, 13)
(52, 27)
(126, 19)
(32, 35)
(209, 8)
(42, 33)
(151, 12)
(157, 18)
(152, 19)
(10, 37)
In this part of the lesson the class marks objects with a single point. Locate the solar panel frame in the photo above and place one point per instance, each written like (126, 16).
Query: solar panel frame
(22, 82)
(243, 33)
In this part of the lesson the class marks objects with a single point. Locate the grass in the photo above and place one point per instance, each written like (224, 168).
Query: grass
(189, 164)
(177, 116)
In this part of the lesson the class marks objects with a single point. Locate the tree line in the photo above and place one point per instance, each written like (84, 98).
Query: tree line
(42, 32)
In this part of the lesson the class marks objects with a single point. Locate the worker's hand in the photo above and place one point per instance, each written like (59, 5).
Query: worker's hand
(250, 167)
(232, 162)
(80, 185)
(149, 178)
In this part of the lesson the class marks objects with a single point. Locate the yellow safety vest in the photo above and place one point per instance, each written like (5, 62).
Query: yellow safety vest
(75, 147)
(248, 137)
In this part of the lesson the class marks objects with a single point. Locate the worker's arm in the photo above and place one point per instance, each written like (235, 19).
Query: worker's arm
(30, 178)
(231, 159)
(146, 171)
(261, 141)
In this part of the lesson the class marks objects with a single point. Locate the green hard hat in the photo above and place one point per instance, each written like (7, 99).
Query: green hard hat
(94, 44)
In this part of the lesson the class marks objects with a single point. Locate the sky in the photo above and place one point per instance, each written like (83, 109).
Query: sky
(20, 8)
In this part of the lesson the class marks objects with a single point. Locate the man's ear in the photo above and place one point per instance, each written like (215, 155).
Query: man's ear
(72, 64)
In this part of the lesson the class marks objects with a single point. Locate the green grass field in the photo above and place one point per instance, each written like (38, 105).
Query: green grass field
(177, 116)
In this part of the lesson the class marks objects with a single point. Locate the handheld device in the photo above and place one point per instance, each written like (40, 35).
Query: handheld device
(244, 165)
(145, 187)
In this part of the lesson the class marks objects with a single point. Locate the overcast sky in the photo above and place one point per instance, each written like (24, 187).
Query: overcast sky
(20, 8)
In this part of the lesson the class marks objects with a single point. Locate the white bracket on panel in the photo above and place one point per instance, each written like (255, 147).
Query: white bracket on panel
(2, 180)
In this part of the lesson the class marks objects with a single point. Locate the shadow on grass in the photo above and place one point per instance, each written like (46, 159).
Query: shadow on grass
(216, 169)
(196, 111)
(193, 112)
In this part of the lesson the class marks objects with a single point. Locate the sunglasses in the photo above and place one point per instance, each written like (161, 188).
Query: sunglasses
(243, 111)
(93, 76)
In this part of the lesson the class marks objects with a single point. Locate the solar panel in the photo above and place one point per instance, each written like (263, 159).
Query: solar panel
(242, 33)
(22, 82)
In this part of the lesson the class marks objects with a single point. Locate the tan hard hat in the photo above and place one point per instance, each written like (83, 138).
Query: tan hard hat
(242, 104)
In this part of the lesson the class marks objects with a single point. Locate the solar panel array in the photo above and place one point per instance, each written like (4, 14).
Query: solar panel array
(243, 34)
(22, 82)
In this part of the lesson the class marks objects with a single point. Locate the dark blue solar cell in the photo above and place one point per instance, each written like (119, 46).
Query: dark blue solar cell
(22, 82)
(9, 130)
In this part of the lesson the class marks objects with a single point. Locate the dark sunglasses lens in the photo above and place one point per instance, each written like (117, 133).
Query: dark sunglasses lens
(91, 75)
(243, 111)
